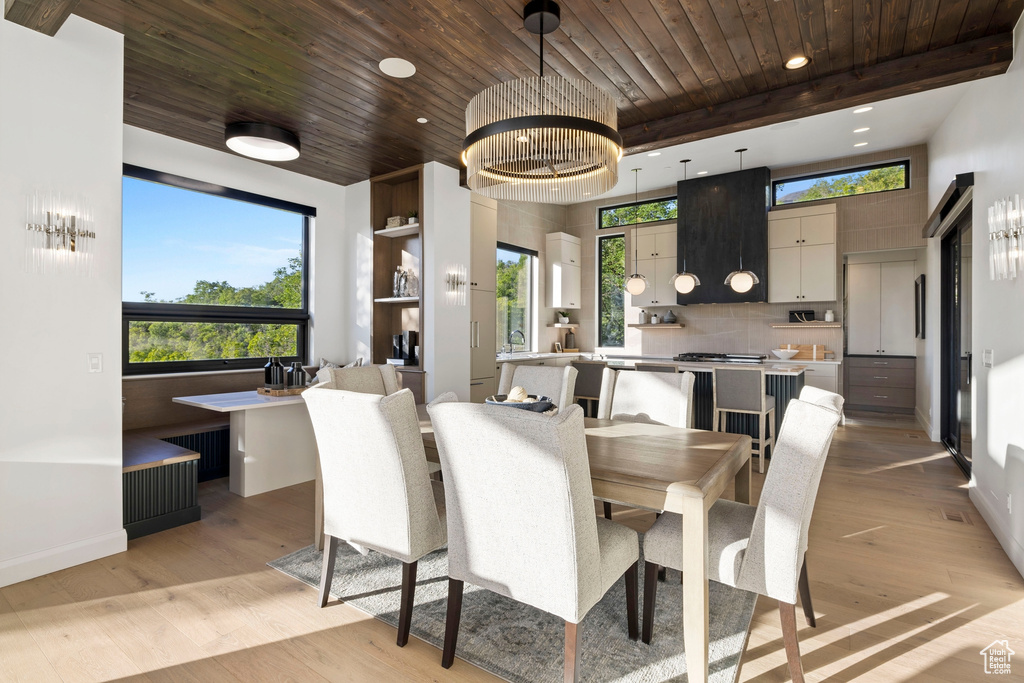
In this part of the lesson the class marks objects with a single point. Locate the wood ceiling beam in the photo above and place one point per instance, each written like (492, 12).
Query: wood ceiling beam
(45, 16)
(959, 63)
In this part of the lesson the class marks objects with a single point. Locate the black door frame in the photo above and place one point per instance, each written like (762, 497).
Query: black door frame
(950, 351)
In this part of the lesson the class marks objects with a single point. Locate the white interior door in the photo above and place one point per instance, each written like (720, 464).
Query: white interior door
(863, 314)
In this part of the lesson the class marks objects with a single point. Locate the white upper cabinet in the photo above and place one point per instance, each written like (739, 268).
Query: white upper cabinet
(880, 308)
(802, 254)
(656, 251)
(563, 271)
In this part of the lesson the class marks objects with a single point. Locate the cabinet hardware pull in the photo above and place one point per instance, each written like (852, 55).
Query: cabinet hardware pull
(879, 362)
(877, 377)
(877, 396)
(475, 384)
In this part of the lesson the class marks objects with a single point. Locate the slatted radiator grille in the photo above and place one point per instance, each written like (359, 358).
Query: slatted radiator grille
(159, 490)
(213, 449)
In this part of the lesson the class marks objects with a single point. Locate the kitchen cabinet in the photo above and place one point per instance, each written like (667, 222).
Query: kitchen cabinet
(823, 376)
(563, 271)
(482, 334)
(881, 384)
(880, 308)
(802, 255)
(483, 243)
(657, 262)
(482, 389)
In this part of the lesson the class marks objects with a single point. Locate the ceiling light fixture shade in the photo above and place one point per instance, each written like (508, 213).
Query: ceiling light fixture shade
(396, 67)
(797, 62)
(525, 137)
(262, 141)
(636, 283)
(682, 281)
(741, 281)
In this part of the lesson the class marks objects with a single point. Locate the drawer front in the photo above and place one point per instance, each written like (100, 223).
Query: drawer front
(822, 370)
(881, 376)
(826, 382)
(881, 362)
(887, 397)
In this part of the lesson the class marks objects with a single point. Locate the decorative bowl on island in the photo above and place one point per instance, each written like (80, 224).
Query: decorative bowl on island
(785, 354)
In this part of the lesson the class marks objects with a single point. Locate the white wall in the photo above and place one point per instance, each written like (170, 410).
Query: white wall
(985, 134)
(445, 242)
(60, 453)
(335, 270)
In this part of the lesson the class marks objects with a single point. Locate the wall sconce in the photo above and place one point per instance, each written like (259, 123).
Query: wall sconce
(59, 236)
(455, 285)
(1005, 232)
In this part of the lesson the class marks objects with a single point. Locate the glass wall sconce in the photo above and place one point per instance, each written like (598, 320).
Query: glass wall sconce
(59, 233)
(1005, 232)
(455, 285)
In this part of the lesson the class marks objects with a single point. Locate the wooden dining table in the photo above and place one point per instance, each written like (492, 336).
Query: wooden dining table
(673, 470)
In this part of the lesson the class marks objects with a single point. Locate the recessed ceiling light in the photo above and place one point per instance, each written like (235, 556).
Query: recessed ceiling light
(397, 68)
(860, 144)
(654, 154)
(861, 130)
(797, 62)
(702, 172)
(862, 110)
(421, 120)
(262, 141)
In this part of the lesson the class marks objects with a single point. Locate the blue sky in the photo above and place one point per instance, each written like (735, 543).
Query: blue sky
(174, 237)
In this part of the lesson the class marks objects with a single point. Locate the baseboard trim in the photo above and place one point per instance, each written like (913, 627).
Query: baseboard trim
(1013, 549)
(30, 566)
(923, 421)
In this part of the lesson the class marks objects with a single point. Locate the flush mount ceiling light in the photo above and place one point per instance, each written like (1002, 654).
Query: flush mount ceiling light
(797, 62)
(636, 283)
(526, 136)
(861, 110)
(262, 141)
(861, 130)
(421, 120)
(860, 144)
(682, 281)
(741, 280)
(397, 68)
(654, 154)
(702, 172)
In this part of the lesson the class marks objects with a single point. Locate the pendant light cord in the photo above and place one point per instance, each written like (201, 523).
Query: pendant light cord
(636, 219)
(684, 162)
(542, 45)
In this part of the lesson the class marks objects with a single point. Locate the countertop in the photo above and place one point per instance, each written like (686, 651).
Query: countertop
(833, 361)
(771, 367)
(236, 400)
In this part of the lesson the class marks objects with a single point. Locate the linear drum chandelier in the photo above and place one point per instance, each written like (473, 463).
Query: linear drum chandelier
(545, 138)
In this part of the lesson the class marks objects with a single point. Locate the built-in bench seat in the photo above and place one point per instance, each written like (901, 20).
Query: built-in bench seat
(160, 479)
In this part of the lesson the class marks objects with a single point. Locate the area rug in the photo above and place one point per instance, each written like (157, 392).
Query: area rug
(520, 643)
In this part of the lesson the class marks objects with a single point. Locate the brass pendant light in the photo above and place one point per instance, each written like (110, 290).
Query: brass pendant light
(741, 281)
(682, 281)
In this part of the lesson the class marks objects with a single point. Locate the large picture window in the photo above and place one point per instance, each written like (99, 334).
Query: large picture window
(515, 296)
(852, 181)
(213, 278)
(611, 277)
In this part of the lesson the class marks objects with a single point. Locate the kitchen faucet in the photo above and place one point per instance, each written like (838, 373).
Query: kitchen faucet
(514, 333)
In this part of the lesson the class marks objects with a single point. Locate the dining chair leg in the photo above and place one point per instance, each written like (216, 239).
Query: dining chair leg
(607, 510)
(805, 596)
(327, 568)
(451, 623)
(652, 574)
(760, 442)
(714, 421)
(631, 601)
(573, 638)
(408, 595)
(661, 574)
(787, 613)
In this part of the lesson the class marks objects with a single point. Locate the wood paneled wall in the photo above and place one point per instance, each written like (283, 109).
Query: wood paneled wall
(148, 399)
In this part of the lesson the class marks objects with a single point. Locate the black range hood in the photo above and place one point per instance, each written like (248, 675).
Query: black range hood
(718, 216)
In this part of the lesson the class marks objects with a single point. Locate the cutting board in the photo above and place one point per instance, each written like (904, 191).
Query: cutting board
(807, 352)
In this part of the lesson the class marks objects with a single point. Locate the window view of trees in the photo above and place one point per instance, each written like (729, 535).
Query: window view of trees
(612, 275)
(513, 297)
(155, 341)
(644, 212)
(861, 181)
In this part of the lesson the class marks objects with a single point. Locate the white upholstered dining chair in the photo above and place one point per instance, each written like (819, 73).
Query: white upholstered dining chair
(521, 520)
(759, 549)
(823, 397)
(378, 494)
(557, 383)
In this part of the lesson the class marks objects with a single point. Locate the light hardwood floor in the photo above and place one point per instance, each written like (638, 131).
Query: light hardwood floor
(901, 592)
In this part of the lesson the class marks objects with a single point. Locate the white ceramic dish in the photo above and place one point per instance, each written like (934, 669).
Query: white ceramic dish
(785, 354)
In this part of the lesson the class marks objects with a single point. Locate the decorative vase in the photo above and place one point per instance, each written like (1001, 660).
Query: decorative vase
(669, 317)
(563, 320)
(274, 374)
(570, 340)
(830, 317)
(654, 320)
(296, 376)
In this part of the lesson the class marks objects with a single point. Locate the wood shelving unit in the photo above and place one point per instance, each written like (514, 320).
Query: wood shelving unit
(569, 325)
(809, 326)
(396, 194)
(659, 326)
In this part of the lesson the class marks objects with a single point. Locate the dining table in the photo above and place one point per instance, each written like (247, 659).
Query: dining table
(665, 469)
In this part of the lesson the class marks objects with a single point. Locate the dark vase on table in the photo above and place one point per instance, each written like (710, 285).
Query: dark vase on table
(296, 376)
(273, 374)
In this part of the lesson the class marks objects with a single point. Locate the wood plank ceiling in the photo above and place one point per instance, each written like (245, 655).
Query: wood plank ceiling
(679, 69)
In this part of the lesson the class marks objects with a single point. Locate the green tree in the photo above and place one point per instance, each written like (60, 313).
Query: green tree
(612, 329)
(875, 180)
(645, 212)
(512, 295)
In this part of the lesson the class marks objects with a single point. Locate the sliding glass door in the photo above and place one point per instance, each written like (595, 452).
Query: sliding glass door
(957, 352)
